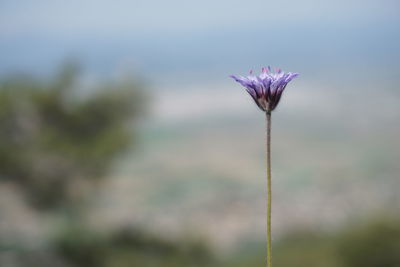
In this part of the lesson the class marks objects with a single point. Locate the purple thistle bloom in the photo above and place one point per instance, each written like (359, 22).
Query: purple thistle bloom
(266, 89)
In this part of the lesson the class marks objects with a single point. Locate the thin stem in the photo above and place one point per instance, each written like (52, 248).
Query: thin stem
(268, 147)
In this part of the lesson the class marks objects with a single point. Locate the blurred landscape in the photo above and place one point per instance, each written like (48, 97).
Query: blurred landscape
(125, 143)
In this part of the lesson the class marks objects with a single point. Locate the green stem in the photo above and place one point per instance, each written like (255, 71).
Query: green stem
(268, 144)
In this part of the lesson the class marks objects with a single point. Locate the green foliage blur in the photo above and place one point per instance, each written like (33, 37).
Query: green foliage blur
(375, 244)
(372, 243)
(128, 247)
(55, 141)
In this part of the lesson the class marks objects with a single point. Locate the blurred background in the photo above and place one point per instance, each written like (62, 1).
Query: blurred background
(123, 142)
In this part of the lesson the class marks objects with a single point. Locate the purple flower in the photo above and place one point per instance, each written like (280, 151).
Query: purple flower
(266, 89)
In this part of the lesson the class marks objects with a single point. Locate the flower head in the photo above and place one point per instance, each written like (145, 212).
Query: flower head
(266, 89)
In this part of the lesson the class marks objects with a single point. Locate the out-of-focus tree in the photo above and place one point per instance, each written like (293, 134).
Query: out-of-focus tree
(57, 142)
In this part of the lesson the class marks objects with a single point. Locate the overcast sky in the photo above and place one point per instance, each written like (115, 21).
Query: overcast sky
(197, 35)
(108, 17)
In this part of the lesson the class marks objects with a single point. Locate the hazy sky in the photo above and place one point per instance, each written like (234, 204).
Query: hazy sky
(189, 36)
(75, 17)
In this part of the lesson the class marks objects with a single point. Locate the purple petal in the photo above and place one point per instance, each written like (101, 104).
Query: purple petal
(242, 80)
(291, 76)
